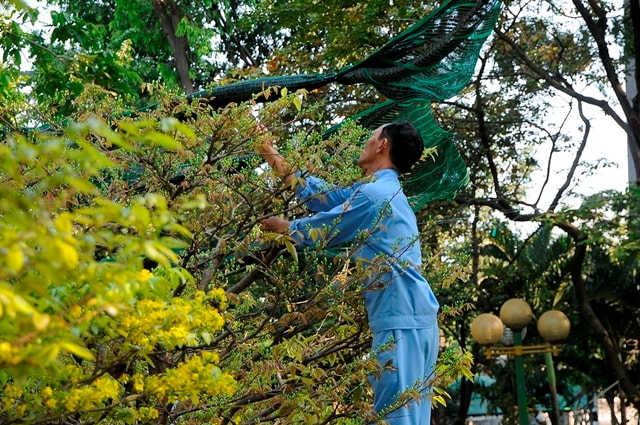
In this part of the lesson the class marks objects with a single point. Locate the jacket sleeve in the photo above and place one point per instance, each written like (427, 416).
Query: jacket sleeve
(318, 195)
(338, 225)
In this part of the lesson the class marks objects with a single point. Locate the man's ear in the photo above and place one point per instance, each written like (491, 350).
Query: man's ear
(384, 144)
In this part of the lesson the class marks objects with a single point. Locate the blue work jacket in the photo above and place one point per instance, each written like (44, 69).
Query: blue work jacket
(375, 218)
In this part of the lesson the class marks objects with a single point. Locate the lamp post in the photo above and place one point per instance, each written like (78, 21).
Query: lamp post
(516, 314)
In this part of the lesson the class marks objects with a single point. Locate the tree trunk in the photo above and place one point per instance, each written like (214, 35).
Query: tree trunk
(611, 353)
(634, 140)
(170, 15)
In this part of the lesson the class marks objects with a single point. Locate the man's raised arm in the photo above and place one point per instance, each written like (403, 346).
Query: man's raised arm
(273, 157)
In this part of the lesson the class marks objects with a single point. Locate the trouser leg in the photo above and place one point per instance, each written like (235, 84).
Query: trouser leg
(408, 357)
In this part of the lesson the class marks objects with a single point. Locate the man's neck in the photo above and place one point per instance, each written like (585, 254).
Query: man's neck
(372, 170)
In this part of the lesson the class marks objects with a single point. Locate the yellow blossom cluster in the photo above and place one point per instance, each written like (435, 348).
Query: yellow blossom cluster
(11, 394)
(101, 391)
(144, 275)
(198, 376)
(47, 398)
(173, 323)
(87, 397)
(6, 352)
(147, 413)
(194, 380)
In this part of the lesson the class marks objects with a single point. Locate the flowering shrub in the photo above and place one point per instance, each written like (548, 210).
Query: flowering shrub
(86, 330)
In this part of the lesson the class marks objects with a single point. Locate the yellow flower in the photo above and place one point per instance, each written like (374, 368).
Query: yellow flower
(46, 392)
(144, 275)
(5, 352)
(47, 398)
(107, 387)
(178, 334)
(72, 401)
(75, 311)
(14, 258)
(67, 254)
(148, 413)
(210, 357)
(12, 391)
(218, 295)
(138, 383)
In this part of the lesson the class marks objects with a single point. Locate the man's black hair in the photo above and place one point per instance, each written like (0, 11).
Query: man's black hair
(406, 144)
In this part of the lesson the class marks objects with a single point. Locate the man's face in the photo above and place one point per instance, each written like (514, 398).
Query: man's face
(369, 152)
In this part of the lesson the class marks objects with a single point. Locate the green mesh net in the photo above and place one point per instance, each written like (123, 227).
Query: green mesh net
(430, 61)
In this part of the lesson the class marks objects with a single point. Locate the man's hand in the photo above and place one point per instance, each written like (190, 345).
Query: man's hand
(272, 156)
(275, 224)
(265, 148)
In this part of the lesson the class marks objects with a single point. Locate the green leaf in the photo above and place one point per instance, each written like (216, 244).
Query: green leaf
(81, 185)
(158, 252)
(164, 141)
(100, 128)
(291, 249)
(297, 101)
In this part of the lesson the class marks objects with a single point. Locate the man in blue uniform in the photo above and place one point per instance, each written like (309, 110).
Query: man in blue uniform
(376, 218)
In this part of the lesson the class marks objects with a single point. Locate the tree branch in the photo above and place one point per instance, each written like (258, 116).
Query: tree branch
(553, 82)
(598, 32)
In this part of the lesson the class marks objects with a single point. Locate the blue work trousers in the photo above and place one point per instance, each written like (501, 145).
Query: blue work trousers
(408, 357)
